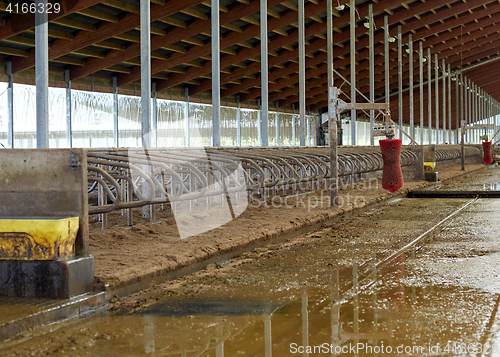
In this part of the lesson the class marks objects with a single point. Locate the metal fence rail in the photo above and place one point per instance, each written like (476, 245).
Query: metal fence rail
(122, 179)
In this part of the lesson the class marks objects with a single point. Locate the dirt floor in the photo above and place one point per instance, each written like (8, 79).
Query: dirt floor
(126, 255)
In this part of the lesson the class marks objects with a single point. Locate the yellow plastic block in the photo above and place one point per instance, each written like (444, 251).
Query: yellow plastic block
(37, 238)
(429, 166)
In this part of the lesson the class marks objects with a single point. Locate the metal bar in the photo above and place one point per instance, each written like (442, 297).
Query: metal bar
(372, 71)
(462, 103)
(400, 80)
(308, 118)
(332, 119)
(329, 41)
(421, 88)
(444, 102)
(294, 139)
(302, 73)
(277, 123)
(352, 7)
(386, 58)
(155, 116)
(436, 73)
(115, 113)
(42, 75)
(469, 87)
(259, 127)
(215, 72)
(458, 106)
(69, 138)
(10, 106)
(238, 120)
(186, 118)
(450, 134)
(145, 72)
(264, 72)
(410, 55)
(429, 94)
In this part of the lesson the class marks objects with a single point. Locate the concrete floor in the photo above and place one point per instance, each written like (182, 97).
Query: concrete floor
(414, 277)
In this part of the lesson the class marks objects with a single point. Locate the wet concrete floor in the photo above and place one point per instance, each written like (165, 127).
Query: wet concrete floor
(414, 277)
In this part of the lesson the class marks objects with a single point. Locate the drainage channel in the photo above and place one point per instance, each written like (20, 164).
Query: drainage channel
(453, 194)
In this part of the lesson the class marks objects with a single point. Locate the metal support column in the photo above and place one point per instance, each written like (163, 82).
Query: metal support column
(264, 74)
(372, 71)
(294, 120)
(10, 106)
(410, 56)
(332, 120)
(215, 73)
(421, 70)
(429, 94)
(69, 136)
(302, 74)
(444, 140)
(462, 102)
(42, 75)
(238, 121)
(332, 125)
(154, 122)
(436, 74)
(400, 81)
(458, 105)
(145, 72)
(469, 86)
(186, 118)
(352, 7)
(115, 113)
(329, 41)
(386, 58)
(277, 123)
(259, 127)
(450, 134)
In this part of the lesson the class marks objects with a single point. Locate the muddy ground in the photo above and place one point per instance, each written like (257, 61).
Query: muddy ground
(125, 255)
(443, 290)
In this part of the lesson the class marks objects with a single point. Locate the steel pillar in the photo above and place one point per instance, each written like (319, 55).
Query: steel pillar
(294, 139)
(329, 41)
(352, 7)
(444, 102)
(264, 74)
(436, 88)
(42, 75)
(400, 81)
(186, 118)
(277, 124)
(372, 71)
(410, 55)
(69, 136)
(215, 73)
(238, 120)
(332, 123)
(429, 96)
(421, 87)
(450, 134)
(302, 73)
(10, 106)
(154, 122)
(145, 72)
(115, 113)
(386, 58)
